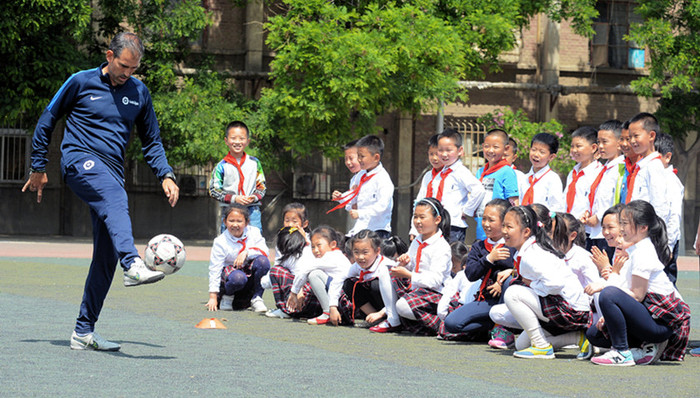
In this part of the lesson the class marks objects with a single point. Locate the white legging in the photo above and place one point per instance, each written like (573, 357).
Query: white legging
(524, 304)
(318, 281)
(500, 315)
(404, 310)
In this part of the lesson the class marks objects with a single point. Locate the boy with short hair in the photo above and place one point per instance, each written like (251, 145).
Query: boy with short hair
(675, 191)
(350, 160)
(542, 184)
(430, 184)
(602, 194)
(462, 192)
(648, 178)
(578, 183)
(630, 160)
(498, 178)
(511, 156)
(239, 177)
(372, 200)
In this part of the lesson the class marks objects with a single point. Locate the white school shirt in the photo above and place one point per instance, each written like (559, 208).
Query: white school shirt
(548, 191)
(333, 263)
(583, 188)
(379, 268)
(226, 248)
(580, 261)
(462, 193)
(520, 177)
(550, 275)
(374, 202)
(294, 264)
(605, 194)
(459, 284)
(644, 262)
(435, 263)
(650, 185)
(675, 191)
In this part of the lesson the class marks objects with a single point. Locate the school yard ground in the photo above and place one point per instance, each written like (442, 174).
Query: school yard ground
(163, 354)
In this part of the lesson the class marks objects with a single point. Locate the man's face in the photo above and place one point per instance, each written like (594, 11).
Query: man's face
(121, 68)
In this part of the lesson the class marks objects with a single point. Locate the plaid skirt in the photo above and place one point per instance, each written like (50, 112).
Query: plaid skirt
(423, 303)
(444, 334)
(674, 313)
(281, 280)
(562, 315)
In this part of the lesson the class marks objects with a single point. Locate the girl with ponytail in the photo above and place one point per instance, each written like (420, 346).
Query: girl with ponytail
(648, 308)
(421, 274)
(547, 294)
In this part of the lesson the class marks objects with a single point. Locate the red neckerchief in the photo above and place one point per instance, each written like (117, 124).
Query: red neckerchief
(443, 175)
(429, 193)
(516, 267)
(489, 247)
(571, 193)
(231, 160)
(594, 186)
(350, 195)
(488, 169)
(633, 176)
(529, 196)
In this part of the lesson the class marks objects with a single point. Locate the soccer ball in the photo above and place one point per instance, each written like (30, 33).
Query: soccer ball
(165, 253)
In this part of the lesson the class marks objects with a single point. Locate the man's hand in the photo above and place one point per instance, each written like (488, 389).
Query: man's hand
(170, 188)
(36, 183)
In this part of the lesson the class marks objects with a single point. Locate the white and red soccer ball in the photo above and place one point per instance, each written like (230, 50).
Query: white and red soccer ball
(165, 253)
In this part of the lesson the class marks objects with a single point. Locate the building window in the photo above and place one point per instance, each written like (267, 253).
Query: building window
(15, 147)
(608, 46)
(473, 140)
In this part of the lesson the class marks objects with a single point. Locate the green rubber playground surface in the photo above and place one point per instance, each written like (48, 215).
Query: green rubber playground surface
(163, 354)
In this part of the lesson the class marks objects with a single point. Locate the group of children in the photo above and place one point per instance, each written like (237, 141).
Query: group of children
(590, 263)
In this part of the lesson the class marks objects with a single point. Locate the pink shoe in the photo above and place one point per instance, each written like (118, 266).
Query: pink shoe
(384, 327)
(319, 320)
(501, 338)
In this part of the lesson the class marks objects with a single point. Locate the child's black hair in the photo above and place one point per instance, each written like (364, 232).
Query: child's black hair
(550, 140)
(393, 246)
(498, 132)
(616, 210)
(663, 144)
(433, 141)
(372, 236)
(588, 133)
(239, 208)
(299, 209)
(501, 204)
(290, 243)
(642, 214)
(351, 144)
(528, 219)
(330, 234)
(459, 250)
(613, 125)
(374, 144)
(452, 134)
(237, 124)
(545, 216)
(565, 225)
(626, 125)
(513, 144)
(649, 122)
(436, 209)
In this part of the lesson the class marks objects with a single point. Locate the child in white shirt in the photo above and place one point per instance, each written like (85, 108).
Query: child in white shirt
(542, 184)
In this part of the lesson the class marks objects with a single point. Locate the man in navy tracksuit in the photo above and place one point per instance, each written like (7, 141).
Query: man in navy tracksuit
(102, 106)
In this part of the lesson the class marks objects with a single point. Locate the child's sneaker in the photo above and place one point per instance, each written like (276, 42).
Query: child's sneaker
(278, 313)
(585, 348)
(258, 305)
(614, 358)
(139, 274)
(535, 353)
(226, 303)
(649, 353)
(319, 320)
(92, 341)
(501, 338)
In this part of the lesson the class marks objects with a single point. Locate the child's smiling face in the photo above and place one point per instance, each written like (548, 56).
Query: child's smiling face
(236, 141)
(449, 151)
(434, 158)
(351, 160)
(494, 149)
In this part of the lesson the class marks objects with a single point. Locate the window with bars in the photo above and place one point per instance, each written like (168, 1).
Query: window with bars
(608, 46)
(15, 147)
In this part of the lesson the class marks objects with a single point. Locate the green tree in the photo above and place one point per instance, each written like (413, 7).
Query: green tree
(670, 32)
(340, 64)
